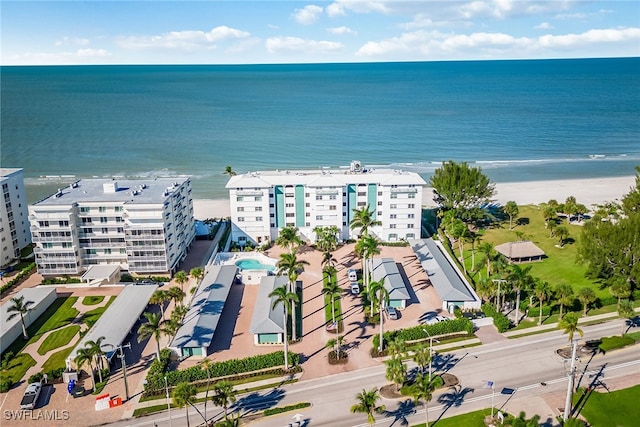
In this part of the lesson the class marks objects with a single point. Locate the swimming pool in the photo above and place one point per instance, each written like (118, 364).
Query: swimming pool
(253, 264)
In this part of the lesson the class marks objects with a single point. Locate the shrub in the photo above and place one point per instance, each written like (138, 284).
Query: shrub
(26, 272)
(535, 311)
(500, 320)
(55, 374)
(36, 378)
(5, 384)
(273, 411)
(464, 326)
(126, 277)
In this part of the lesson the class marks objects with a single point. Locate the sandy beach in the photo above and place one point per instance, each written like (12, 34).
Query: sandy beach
(586, 191)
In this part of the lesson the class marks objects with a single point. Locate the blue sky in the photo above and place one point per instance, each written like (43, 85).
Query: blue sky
(241, 32)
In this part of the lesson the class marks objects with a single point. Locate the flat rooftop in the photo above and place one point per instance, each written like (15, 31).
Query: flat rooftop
(200, 323)
(144, 191)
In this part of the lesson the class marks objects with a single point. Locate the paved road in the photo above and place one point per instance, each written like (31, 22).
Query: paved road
(521, 365)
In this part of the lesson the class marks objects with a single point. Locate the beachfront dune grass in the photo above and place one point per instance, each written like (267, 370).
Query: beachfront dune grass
(561, 263)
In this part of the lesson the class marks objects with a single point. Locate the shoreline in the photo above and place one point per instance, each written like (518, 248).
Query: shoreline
(588, 191)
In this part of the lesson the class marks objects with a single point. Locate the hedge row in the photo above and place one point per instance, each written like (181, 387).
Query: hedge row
(155, 377)
(500, 320)
(417, 332)
(26, 272)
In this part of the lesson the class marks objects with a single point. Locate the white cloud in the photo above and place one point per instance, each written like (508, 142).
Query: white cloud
(335, 9)
(79, 56)
(72, 41)
(502, 9)
(422, 45)
(187, 40)
(543, 26)
(581, 16)
(341, 30)
(307, 15)
(299, 45)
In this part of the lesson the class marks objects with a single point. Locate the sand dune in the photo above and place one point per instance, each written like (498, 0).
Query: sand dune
(586, 191)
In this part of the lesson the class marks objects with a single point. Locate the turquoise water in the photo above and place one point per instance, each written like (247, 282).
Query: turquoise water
(252, 264)
(518, 120)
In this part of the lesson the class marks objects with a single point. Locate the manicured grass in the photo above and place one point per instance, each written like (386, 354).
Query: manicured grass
(91, 317)
(58, 338)
(619, 408)
(92, 300)
(561, 263)
(141, 412)
(615, 342)
(472, 419)
(18, 366)
(57, 359)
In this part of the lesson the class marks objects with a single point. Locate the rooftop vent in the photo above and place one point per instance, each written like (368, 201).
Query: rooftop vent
(110, 187)
(356, 166)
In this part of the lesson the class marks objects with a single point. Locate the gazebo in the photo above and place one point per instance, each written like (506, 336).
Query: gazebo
(521, 251)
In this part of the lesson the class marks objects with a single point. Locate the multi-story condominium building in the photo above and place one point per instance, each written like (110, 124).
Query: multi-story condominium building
(14, 222)
(144, 226)
(262, 203)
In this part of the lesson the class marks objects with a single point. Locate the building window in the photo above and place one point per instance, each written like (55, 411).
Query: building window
(290, 214)
(393, 216)
(44, 245)
(411, 206)
(412, 195)
(379, 193)
(307, 195)
(394, 195)
(242, 239)
(289, 205)
(362, 204)
(240, 208)
(84, 210)
(411, 216)
(409, 225)
(307, 205)
(332, 197)
(318, 217)
(105, 230)
(362, 193)
(308, 214)
(258, 208)
(258, 218)
(318, 196)
(392, 225)
(393, 206)
(272, 215)
(118, 208)
(103, 219)
(240, 219)
(307, 224)
(107, 251)
(102, 209)
(333, 207)
(240, 199)
(273, 224)
(271, 205)
(411, 236)
(393, 237)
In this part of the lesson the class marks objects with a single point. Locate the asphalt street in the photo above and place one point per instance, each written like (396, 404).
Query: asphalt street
(528, 366)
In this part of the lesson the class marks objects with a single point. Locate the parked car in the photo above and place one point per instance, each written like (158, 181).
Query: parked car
(392, 313)
(436, 319)
(30, 397)
(352, 275)
(355, 288)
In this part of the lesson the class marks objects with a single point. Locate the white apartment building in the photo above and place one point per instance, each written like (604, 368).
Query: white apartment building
(264, 202)
(144, 226)
(14, 222)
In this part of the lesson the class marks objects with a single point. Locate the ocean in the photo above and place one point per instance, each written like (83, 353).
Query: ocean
(518, 120)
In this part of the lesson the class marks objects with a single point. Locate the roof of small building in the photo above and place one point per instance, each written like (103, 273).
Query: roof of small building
(200, 323)
(520, 249)
(35, 295)
(387, 270)
(99, 272)
(449, 285)
(118, 320)
(267, 319)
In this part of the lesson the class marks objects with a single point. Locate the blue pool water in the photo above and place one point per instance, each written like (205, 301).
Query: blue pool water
(252, 264)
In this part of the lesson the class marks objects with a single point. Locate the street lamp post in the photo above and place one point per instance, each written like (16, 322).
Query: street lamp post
(123, 361)
(572, 370)
(166, 388)
(431, 339)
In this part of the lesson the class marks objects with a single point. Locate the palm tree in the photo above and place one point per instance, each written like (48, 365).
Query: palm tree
(363, 219)
(197, 273)
(542, 290)
(511, 209)
(367, 404)
(626, 311)
(181, 278)
(229, 171)
(367, 246)
(396, 371)
(459, 231)
(472, 238)
(282, 296)
(422, 389)
(333, 291)
(374, 288)
(205, 365)
(564, 295)
(520, 280)
(327, 260)
(586, 297)
(289, 265)
(422, 356)
(288, 238)
(549, 214)
(570, 325)
(561, 232)
(488, 251)
(177, 295)
(83, 355)
(159, 297)
(224, 395)
(331, 345)
(173, 324)
(153, 326)
(326, 238)
(184, 394)
(95, 349)
(19, 307)
(620, 289)
(383, 295)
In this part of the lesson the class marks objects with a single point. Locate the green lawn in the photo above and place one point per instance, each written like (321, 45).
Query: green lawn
(91, 317)
(92, 300)
(472, 419)
(619, 408)
(18, 366)
(58, 338)
(57, 359)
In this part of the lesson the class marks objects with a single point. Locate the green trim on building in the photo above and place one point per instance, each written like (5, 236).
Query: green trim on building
(352, 192)
(268, 338)
(300, 206)
(372, 199)
(279, 193)
(191, 351)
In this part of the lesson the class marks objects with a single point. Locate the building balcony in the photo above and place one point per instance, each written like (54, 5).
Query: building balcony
(403, 190)
(57, 271)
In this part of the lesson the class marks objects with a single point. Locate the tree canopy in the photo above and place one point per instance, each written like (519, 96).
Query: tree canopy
(461, 187)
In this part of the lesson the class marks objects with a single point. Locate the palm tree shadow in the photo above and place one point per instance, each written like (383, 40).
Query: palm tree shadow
(453, 398)
(255, 401)
(406, 407)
